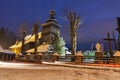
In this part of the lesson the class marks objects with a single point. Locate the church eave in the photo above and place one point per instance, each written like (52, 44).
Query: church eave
(49, 23)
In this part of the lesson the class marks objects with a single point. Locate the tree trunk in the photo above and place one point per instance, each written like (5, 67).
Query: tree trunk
(115, 43)
(36, 38)
(119, 42)
(73, 46)
(73, 36)
(74, 43)
(23, 44)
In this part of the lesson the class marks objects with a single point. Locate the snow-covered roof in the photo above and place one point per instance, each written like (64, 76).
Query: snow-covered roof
(55, 54)
(68, 52)
(39, 54)
(28, 54)
(1, 49)
(79, 53)
(66, 48)
(41, 48)
(31, 38)
(16, 45)
(117, 53)
(7, 51)
(28, 38)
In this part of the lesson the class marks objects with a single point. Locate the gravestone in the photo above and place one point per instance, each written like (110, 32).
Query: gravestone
(55, 57)
(28, 56)
(39, 56)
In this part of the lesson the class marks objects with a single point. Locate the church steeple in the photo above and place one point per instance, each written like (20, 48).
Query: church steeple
(52, 14)
(50, 28)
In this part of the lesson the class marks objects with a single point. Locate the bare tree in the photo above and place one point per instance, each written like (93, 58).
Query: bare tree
(74, 24)
(22, 30)
(35, 30)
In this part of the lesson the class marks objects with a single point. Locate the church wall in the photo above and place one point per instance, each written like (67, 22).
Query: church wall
(30, 45)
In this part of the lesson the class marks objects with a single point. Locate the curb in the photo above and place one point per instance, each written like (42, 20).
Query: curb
(83, 66)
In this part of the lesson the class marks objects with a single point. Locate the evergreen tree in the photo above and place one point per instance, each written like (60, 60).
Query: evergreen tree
(7, 38)
(59, 45)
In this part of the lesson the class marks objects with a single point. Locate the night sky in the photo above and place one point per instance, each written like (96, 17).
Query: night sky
(98, 17)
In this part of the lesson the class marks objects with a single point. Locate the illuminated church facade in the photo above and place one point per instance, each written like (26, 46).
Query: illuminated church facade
(47, 36)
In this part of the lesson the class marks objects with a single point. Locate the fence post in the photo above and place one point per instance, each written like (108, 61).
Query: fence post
(55, 56)
(39, 56)
(117, 57)
(28, 56)
(79, 56)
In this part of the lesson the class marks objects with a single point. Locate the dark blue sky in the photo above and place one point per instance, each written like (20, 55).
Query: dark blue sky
(97, 16)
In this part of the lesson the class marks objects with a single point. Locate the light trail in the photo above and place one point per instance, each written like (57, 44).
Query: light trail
(21, 65)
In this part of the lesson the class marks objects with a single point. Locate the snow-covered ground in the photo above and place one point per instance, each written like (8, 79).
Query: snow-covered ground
(47, 72)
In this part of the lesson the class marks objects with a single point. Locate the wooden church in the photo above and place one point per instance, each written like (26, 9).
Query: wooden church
(46, 37)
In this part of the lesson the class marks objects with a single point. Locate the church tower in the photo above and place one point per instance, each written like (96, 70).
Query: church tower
(50, 29)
